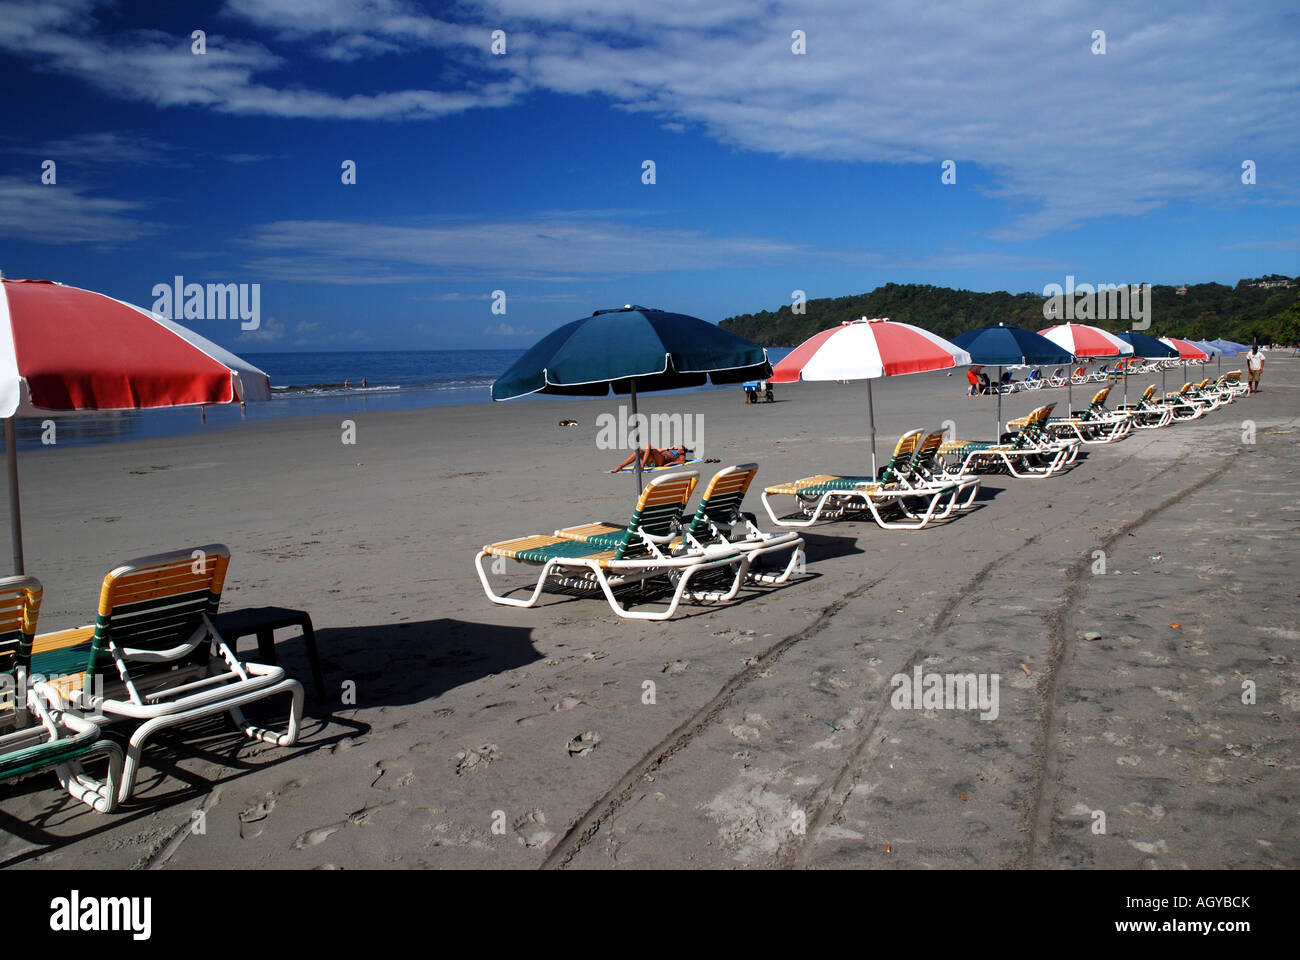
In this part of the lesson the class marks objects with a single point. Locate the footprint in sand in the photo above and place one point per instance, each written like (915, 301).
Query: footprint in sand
(252, 818)
(393, 774)
(319, 835)
(583, 744)
(347, 743)
(476, 758)
(530, 829)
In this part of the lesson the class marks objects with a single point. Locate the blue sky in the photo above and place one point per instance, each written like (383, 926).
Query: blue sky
(775, 171)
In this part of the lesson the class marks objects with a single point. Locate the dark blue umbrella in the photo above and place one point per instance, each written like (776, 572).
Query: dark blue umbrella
(1009, 346)
(632, 349)
(1148, 348)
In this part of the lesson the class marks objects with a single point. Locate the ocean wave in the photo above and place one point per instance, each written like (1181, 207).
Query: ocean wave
(289, 391)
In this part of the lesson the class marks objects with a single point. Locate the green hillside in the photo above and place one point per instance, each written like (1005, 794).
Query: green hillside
(1245, 313)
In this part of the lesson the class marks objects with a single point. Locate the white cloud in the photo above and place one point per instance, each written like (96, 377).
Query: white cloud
(102, 149)
(341, 252)
(506, 330)
(269, 331)
(39, 213)
(541, 249)
(1008, 90)
(158, 68)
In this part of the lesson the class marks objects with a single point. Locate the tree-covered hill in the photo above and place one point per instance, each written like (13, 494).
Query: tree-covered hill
(1260, 309)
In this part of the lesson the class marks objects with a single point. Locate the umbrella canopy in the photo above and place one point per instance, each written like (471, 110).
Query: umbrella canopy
(612, 349)
(865, 349)
(68, 350)
(1229, 349)
(631, 349)
(1148, 348)
(1009, 346)
(1186, 350)
(1210, 349)
(1086, 341)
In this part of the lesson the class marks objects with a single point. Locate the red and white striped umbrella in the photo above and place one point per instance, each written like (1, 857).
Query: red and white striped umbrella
(64, 349)
(1084, 340)
(68, 350)
(1186, 351)
(865, 349)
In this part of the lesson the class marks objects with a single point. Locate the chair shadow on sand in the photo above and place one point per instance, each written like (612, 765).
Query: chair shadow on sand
(389, 665)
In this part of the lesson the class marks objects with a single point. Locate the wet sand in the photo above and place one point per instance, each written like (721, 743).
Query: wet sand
(772, 739)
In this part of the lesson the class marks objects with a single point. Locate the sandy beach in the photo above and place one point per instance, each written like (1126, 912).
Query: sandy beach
(772, 740)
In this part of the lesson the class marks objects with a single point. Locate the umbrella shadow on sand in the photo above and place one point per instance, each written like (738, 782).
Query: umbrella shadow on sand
(391, 664)
(407, 663)
(46, 818)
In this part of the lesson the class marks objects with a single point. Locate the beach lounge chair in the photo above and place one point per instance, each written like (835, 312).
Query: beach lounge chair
(1148, 413)
(41, 735)
(1058, 378)
(1232, 383)
(718, 521)
(1208, 395)
(1094, 424)
(897, 501)
(1184, 405)
(1030, 454)
(642, 557)
(927, 470)
(155, 659)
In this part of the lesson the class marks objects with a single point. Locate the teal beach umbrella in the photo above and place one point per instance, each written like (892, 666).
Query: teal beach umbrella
(629, 350)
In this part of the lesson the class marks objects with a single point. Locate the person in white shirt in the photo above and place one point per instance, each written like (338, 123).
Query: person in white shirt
(1254, 367)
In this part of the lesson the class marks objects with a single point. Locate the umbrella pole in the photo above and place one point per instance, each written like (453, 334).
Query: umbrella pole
(997, 437)
(637, 446)
(15, 514)
(871, 412)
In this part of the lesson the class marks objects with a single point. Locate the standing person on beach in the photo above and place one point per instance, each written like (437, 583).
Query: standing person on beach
(1254, 367)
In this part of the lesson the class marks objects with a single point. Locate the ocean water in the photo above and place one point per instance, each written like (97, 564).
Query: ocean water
(312, 383)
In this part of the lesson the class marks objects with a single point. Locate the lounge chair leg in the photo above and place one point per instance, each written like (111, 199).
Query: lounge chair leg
(100, 796)
(510, 601)
(147, 729)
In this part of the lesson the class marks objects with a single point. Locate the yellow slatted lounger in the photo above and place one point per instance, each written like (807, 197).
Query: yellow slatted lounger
(717, 521)
(1095, 424)
(40, 736)
(1149, 413)
(1029, 455)
(1184, 405)
(643, 558)
(912, 501)
(155, 660)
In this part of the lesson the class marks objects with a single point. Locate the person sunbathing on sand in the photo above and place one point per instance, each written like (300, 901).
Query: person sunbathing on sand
(654, 457)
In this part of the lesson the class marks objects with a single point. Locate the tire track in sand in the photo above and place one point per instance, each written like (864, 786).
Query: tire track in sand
(588, 824)
(1035, 822)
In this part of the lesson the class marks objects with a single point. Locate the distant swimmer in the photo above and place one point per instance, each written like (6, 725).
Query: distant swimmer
(363, 383)
(346, 384)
